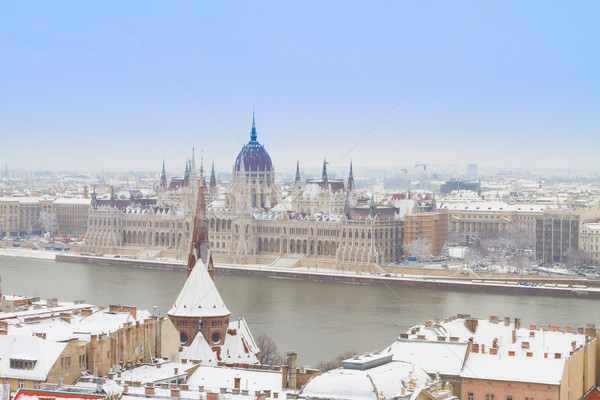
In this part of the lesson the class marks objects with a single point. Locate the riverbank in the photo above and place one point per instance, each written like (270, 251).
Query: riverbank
(549, 286)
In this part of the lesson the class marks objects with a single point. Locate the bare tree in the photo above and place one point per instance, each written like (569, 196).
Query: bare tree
(573, 257)
(520, 236)
(48, 222)
(269, 354)
(419, 248)
(325, 366)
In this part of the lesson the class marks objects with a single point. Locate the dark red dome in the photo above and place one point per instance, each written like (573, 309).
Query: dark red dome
(253, 155)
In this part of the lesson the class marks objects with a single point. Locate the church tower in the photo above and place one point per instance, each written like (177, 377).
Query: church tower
(297, 181)
(199, 306)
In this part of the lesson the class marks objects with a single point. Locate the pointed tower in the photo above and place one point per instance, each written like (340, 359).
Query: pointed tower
(213, 178)
(324, 180)
(186, 176)
(163, 177)
(199, 306)
(253, 135)
(297, 182)
(193, 175)
(351, 186)
(479, 188)
(372, 206)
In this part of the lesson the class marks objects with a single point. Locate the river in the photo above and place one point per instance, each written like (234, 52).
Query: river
(317, 319)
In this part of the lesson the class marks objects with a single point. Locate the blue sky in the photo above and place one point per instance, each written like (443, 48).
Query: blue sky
(80, 91)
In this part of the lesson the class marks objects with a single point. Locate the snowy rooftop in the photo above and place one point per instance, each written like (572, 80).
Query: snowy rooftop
(389, 380)
(73, 201)
(239, 347)
(517, 369)
(494, 206)
(29, 348)
(199, 296)
(214, 378)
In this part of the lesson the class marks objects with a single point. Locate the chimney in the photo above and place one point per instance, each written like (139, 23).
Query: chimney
(483, 349)
(429, 324)
(86, 312)
(529, 354)
(532, 327)
(568, 329)
(494, 319)
(525, 345)
(557, 355)
(175, 392)
(237, 382)
(471, 324)
(404, 336)
(495, 343)
(437, 321)
(441, 338)
(475, 348)
(149, 389)
(506, 321)
(511, 353)
(517, 323)
(494, 351)
(453, 338)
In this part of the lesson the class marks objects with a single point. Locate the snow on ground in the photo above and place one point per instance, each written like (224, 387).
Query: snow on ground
(27, 253)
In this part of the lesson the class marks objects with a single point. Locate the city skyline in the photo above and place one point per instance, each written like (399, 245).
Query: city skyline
(125, 86)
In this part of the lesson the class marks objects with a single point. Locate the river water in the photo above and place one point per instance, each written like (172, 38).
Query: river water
(317, 319)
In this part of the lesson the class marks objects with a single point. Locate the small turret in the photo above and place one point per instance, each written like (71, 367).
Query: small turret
(351, 186)
(163, 177)
(213, 179)
(324, 179)
(297, 182)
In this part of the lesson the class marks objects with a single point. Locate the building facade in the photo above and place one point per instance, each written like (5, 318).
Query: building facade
(431, 226)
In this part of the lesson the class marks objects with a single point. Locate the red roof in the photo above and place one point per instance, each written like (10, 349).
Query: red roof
(56, 394)
(593, 394)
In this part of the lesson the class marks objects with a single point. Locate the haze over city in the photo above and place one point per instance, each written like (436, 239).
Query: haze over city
(501, 84)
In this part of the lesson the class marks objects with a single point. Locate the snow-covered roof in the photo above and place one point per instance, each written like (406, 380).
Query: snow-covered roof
(494, 206)
(199, 296)
(156, 373)
(238, 347)
(73, 201)
(445, 358)
(517, 369)
(214, 378)
(390, 380)
(31, 348)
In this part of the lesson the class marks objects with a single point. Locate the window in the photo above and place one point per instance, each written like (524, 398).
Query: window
(509, 398)
(21, 384)
(489, 397)
(470, 396)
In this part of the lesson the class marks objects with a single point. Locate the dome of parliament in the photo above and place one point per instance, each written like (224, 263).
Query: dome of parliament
(253, 157)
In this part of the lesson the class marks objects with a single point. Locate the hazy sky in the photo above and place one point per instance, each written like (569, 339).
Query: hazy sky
(79, 90)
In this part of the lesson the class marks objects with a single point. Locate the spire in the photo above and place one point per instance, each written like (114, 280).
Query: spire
(186, 177)
(372, 211)
(324, 180)
(297, 182)
(199, 249)
(350, 180)
(213, 179)
(202, 171)
(163, 177)
(193, 164)
(253, 133)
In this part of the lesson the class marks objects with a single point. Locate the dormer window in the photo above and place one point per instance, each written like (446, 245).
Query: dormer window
(22, 364)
